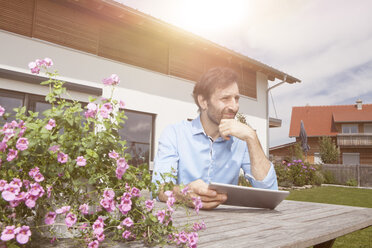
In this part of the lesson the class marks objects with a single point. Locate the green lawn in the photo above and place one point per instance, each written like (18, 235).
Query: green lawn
(341, 196)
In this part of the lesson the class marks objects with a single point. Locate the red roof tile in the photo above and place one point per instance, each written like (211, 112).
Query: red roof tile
(319, 120)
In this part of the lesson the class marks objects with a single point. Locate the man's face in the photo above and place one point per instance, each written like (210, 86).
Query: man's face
(223, 103)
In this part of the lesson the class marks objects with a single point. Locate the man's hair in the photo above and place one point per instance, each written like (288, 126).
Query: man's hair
(214, 78)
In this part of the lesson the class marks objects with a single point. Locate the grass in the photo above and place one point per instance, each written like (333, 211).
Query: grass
(341, 196)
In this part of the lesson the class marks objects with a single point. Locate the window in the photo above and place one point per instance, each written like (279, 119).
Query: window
(138, 129)
(368, 128)
(350, 158)
(349, 128)
(317, 159)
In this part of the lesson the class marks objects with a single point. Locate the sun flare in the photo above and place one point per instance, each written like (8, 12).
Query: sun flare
(212, 15)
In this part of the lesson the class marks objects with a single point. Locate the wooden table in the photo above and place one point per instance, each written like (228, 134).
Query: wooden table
(291, 224)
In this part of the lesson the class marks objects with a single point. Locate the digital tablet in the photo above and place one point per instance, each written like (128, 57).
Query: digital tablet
(248, 196)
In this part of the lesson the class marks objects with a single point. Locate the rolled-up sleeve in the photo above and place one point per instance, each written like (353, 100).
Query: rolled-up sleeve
(269, 182)
(166, 160)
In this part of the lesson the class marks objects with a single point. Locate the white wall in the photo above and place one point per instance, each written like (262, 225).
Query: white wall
(142, 90)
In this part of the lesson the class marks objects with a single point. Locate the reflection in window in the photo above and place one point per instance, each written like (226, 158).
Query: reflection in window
(137, 131)
(10, 101)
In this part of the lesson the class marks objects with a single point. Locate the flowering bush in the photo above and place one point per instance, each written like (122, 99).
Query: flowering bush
(296, 173)
(71, 165)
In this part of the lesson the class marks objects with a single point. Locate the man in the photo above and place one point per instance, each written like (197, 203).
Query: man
(214, 146)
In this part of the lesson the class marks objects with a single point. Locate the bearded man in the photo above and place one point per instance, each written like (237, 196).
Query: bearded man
(214, 147)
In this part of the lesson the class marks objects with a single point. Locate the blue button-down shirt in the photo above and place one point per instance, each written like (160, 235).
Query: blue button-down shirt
(188, 153)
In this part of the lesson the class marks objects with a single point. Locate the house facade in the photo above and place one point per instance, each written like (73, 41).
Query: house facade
(349, 126)
(157, 63)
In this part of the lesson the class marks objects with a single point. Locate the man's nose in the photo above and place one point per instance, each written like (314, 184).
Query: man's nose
(234, 105)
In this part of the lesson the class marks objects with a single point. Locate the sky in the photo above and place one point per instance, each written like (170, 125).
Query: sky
(325, 44)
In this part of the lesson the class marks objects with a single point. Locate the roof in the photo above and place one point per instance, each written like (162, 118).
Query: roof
(123, 13)
(282, 146)
(320, 120)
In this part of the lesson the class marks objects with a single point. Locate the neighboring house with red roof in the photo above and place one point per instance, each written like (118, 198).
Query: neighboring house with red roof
(349, 126)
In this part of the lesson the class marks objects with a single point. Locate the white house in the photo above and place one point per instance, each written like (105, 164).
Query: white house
(157, 63)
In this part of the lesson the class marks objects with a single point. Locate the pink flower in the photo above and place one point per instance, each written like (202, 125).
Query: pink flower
(185, 190)
(113, 154)
(183, 237)
(63, 210)
(10, 192)
(193, 239)
(3, 146)
(125, 206)
(50, 218)
(84, 209)
(39, 177)
(3, 183)
(161, 215)
(100, 237)
(51, 124)
(98, 225)
(49, 191)
(30, 201)
(62, 158)
(121, 104)
(107, 106)
(2, 110)
(149, 204)
(112, 80)
(135, 192)
(34, 67)
(127, 222)
(81, 161)
(70, 219)
(36, 190)
(12, 154)
(104, 112)
(89, 114)
(92, 106)
(8, 233)
(93, 244)
(32, 173)
(109, 193)
(122, 166)
(108, 204)
(197, 203)
(126, 234)
(48, 62)
(54, 148)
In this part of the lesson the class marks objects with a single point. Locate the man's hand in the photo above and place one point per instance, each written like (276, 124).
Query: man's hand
(209, 198)
(235, 128)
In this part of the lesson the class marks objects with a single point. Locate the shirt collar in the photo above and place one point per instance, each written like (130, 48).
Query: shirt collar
(197, 127)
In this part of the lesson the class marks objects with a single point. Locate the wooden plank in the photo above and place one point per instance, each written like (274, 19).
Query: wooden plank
(16, 16)
(66, 26)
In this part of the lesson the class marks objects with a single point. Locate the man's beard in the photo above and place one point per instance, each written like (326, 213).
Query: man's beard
(225, 114)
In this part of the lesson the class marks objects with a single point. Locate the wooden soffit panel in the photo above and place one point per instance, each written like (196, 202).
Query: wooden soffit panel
(120, 42)
(186, 61)
(66, 26)
(16, 16)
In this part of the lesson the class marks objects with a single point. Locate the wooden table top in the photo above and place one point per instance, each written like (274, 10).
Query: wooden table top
(291, 224)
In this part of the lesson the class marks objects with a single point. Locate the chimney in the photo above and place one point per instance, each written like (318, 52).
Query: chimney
(359, 104)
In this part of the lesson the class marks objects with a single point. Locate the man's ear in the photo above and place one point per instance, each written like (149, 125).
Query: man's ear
(202, 102)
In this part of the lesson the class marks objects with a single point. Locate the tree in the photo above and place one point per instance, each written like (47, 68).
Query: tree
(329, 153)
